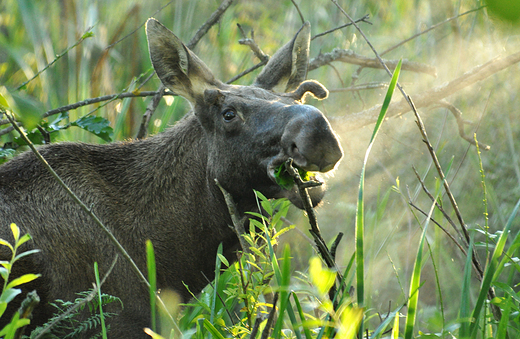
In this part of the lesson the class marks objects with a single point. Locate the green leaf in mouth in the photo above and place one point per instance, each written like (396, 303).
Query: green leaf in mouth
(284, 179)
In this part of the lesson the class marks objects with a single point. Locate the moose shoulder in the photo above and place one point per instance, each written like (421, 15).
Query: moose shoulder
(162, 188)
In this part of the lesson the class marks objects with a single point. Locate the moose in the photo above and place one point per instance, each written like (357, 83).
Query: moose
(163, 187)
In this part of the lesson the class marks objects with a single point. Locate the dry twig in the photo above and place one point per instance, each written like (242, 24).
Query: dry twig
(429, 97)
(350, 57)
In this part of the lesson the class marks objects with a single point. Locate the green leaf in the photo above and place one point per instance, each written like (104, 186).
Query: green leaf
(16, 232)
(505, 9)
(28, 110)
(9, 331)
(3, 102)
(87, 35)
(214, 332)
(6, 243)
(284, 180)
(321, 278)
(6, 152)
(4, 272)
(22, 280)
(360, 214)
(26, 253)
(96, 125)
(490, 271)
(26, 237)
(465, 293)
(9, 294)
(223, 259)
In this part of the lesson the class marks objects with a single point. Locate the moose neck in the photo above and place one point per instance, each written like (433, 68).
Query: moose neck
(171, 184)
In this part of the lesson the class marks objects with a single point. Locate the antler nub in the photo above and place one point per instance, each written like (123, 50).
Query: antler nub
(310, 86)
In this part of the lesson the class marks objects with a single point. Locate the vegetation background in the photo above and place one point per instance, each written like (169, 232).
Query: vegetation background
(115, 59)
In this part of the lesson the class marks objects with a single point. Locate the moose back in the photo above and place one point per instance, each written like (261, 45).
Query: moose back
(162, 188)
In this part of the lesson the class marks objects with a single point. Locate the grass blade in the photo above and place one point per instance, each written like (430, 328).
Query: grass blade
(306, 331)
(415, 284)
(464, 314)
(212, 329)
(359, 233)
(394, 316)
(284, 277)
(102, 317)
(490, 272)
(150, 262)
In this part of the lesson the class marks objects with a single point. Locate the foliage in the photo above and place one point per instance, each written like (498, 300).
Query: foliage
(73, 318)
(9, 289)
(239, 303)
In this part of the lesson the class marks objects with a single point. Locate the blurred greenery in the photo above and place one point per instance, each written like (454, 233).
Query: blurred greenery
(115, 59)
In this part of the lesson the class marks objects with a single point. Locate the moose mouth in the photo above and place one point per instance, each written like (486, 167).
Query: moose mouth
(278, 173)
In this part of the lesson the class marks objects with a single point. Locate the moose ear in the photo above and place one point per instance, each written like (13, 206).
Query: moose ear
(179, 69)
(288, 66)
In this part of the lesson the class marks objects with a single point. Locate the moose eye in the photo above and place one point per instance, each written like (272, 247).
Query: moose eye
(229, 114)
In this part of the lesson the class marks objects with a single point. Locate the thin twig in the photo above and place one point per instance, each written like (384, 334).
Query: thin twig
(213, 19)
(257, 51)
(351, 57)
(369, 116)
(491, 293)
(219, 297)
(364, 19)
(432, 198)
(361, 87)
(247, 71)
(138, 27)
(299, 12)
(431, 28)
(440, 226)
(150, 109)
(460, 123)
(238, 224)
(311, 215)
(85, 35)
(442, 177)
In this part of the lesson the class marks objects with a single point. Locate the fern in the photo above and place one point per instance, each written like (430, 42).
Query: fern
(71, 318)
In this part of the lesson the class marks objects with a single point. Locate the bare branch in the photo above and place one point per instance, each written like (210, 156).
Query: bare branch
(238, 224)
(89, 102)
(213, 19)
(361, 87)
(311, 214)
(350, 57)
(460, 123)
(86, 35)
(299, 12)
(364, 19)
(252, 44)
(431, 28)
(138, 27)
(150, 109)
(247, 71)
(429, 97)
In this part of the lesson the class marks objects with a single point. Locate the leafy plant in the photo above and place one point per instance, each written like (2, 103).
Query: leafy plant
(73, 318)
(10, 287)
